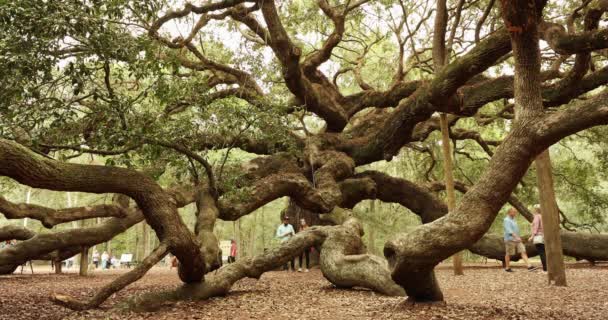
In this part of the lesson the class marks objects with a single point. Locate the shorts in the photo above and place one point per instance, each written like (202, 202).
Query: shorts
(513, 247)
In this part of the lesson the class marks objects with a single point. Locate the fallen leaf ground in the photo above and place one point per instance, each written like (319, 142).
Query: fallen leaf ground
(485, 292)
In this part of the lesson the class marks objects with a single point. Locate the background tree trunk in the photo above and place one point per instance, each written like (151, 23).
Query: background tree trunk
(84, 262)
(28, 197)
(144, 239)
(449, 182)
(58, 266)
(550, 217)
(263, 229)
(236, 229)
(371, 232)
(251, 251)
(136, 254)
(84, 255)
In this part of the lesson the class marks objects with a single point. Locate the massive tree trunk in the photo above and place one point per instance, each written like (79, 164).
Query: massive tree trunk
(412, 256)
(347, 265)
(206, 215)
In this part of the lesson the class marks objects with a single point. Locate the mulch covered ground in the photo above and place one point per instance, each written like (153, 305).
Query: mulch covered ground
(483, 293)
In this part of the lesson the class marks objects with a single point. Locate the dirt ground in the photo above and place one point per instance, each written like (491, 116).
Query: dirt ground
(483, 293)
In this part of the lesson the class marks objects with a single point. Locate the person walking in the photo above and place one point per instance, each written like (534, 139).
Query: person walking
(285, 232)
(537, 236)
(233, 249)
(95, 257)
(306, 252)
(105, 257)
(513, 242)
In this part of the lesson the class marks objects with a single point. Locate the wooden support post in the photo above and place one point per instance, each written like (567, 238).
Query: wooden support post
(550, 217)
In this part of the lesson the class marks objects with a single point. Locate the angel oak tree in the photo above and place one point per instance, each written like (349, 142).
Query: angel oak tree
(128, 88)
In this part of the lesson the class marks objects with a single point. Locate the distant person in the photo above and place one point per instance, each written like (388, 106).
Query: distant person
(537, 237)
(232, 256)
(113, 262)
(513, 242)
(285, 232)
(306, 252)
(105, 258)
(95, 257)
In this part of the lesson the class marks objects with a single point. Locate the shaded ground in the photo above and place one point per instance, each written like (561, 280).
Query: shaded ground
(483, 293)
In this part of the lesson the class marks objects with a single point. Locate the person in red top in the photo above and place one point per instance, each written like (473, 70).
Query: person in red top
(537, 236)
(232, 256)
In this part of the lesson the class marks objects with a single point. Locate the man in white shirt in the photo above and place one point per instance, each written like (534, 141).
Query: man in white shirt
(284, 232)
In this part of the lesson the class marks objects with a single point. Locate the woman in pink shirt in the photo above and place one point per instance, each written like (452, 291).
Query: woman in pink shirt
(537, 236)
(232, 256)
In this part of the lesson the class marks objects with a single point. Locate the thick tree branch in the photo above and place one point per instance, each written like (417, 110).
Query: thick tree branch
(13, 232)
(50, 217)
(33, 170)
(584, 114)
(314, 60)
(64, 244)
(114, 286)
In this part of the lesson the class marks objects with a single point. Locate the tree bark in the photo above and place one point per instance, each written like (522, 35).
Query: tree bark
(51, 217)
(65, 244)
(157, 206)
(14, 232)
(207, 213)
(345, 263)
(550, 218)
